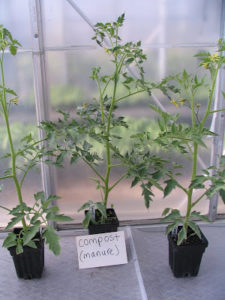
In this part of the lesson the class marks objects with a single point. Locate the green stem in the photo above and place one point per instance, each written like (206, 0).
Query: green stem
(196, 201)
(132, 94)
(94, 169)
(101, 101)
(195, 148)
(207, 112)
(179, 185)
(30, 146)
(12, 151)
(5, 177)
(179, 138)
(217, 110)
(190, 190)
(26, 171)
(118, 181)
(107, 144)
(4, 208)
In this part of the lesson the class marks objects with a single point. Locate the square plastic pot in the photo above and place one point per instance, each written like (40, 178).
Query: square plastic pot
(30, 263)
(185, 259)
(111, 224)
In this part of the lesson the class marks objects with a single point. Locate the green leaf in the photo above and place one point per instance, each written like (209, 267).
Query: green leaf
(135, 181)
(74, 158)
(58, 218)
(202, 53)
(166, 211)
(19, 248)
(86, 205)
(173, 216)
(32, 244)
(87, 219)
(52, 239)
(13, 49)
(196, 214)
(222, 195)
(14, 221)
(147, 194)
(101, 208)
(10, 240)
(195, 228)
(182, 235)
(40, 196)
(28, 235)
(197, 183)
(34, 218)
(172, 226)
(171, 184)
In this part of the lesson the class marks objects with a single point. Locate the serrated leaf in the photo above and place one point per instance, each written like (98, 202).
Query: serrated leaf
(170, 185)
(147, 195)
(28, 235)
(58, 218)
(101, 208)
(197, 215)
(10, 240)
(135, 181)
(86, 205)
(74, 158)
(39, 196)
(195, 228)
(32, 244)
(87, 219)
(34, 218)
(182, 235)
(52, 239)
(14, 221)
(174, 215)
(172, 226)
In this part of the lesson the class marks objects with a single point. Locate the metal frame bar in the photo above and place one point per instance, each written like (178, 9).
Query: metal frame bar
(40, 83)
(218, 122)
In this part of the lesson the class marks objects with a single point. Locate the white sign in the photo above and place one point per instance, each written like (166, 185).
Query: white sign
(98, 250)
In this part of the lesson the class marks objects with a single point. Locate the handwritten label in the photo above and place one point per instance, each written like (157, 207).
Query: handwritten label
(98, 250)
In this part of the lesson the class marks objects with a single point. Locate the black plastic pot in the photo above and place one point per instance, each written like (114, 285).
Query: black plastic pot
(30, 263)
(111, 224)
(185, 259)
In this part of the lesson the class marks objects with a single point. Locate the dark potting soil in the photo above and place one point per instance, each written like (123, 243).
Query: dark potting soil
(111, 218)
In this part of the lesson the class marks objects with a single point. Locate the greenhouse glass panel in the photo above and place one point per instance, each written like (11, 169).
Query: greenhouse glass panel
(171, 33)
(14, 15)
(23, 122)
(155, 22)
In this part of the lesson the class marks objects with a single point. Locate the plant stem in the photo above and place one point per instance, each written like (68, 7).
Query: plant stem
(4, 208)
(93, 168)
(107, 143)
(190, 190)
(30, 146)
(5, 177)
(207, 112)
(196, 201)
(132, 94)
(12, 151)
(217, 110)
(190, 204)
(118, 181)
